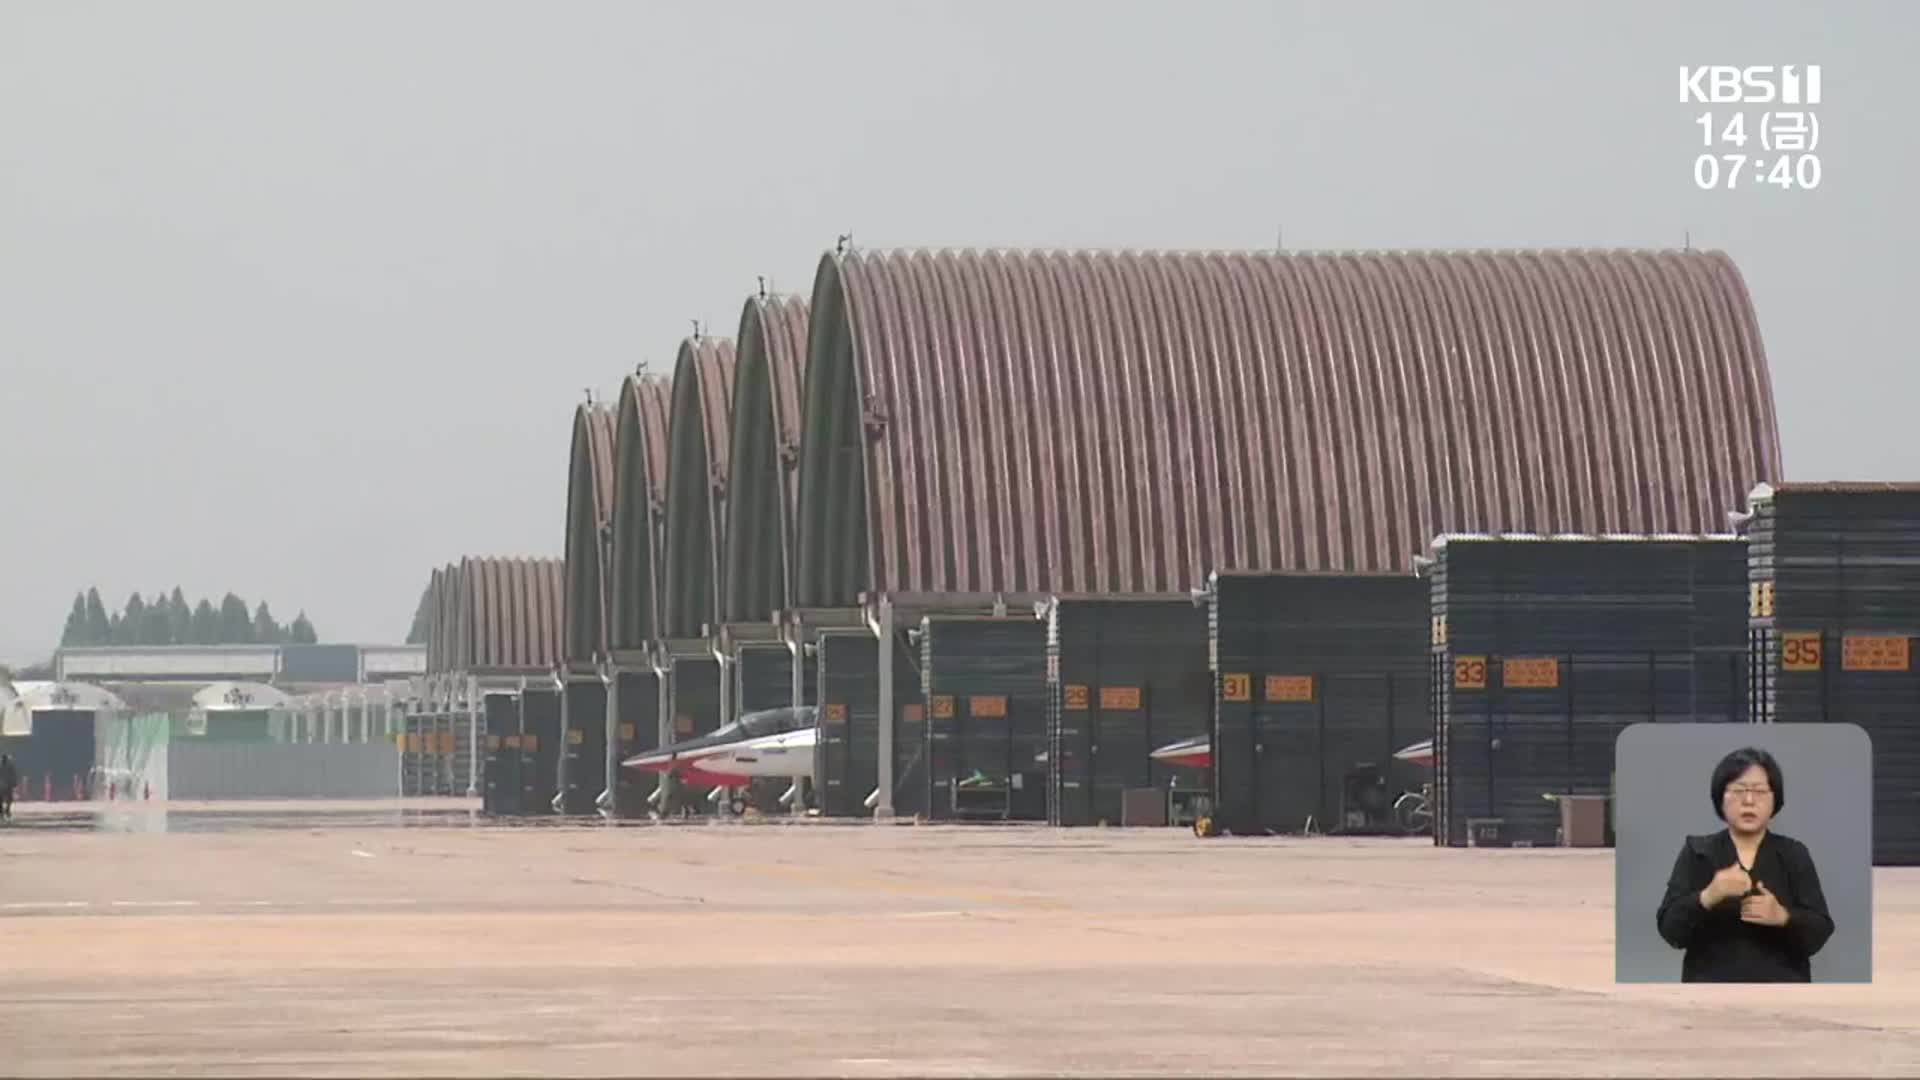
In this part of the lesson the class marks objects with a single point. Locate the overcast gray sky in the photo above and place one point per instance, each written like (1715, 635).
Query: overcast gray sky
(296, 299)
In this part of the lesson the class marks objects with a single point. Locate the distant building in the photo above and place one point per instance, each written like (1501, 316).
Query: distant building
(274, 664)
(165, 678)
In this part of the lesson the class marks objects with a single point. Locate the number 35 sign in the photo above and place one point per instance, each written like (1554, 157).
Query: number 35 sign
(1800, 651)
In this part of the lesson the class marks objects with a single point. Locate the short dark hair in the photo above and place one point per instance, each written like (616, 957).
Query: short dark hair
(1740, 761)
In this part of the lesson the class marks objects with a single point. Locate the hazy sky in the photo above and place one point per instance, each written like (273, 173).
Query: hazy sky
(297, 299)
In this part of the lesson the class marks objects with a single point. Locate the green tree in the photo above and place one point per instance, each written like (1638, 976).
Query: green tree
(75, 633)
(157, 628)
(133, 621)
(236, 626)
(301, 633)
(206, 624)
(179, 619)
(265, 630)
(99, 627)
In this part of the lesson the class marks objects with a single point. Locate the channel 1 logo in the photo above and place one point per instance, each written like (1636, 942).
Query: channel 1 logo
(1719, 84)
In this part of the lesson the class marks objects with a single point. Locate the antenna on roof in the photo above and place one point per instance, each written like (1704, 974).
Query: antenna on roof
(696, 329)
(762, 278)
(589, 395)
(844, 244)
(1687, 244)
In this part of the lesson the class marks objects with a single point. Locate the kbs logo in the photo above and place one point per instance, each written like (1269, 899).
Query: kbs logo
(1788, 84)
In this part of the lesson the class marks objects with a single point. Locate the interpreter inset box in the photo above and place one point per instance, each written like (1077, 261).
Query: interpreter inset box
(1743, 853)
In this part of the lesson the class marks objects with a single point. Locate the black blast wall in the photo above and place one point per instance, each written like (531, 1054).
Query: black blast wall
(847, 761)
(501, 794)
(1545, 650)
(695, 696)
(1124, 677)
(57, 757)
(639, 731)
(585, 756)
(763, 677)
(539, 750)
(696, 711)
(985, 685)
(1833, 607)
(1319, 679)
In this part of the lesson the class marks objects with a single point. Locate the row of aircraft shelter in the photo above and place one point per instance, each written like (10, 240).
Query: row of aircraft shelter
(1345, 526)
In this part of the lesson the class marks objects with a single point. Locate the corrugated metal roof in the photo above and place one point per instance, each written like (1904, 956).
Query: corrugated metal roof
(639, 508)
(699, 437)
(442, 628)
(590, 493)
(763, 464)
(497, 616)
(1125, 422)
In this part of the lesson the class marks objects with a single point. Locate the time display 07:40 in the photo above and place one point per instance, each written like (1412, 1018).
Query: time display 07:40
(1783, 154)
(1729, 170)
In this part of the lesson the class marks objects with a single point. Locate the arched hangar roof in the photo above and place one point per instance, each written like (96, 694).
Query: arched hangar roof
(497, 616)
(590, 495)
(639, 509)
(439, 619)
(698, 437)
(1125, 422)
(763, 463)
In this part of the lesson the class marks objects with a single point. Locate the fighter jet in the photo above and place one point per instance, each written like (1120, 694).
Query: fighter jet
(1420, 753)
(1193, 753)
(768, 743)
(1197, 752)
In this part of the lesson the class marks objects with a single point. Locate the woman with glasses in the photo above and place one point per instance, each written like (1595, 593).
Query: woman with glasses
(1745, 902)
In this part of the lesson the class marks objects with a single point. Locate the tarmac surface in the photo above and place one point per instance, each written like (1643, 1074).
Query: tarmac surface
(418, 939)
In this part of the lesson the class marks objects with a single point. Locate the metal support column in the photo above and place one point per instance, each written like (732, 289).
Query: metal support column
(400, 756)
(444, 759)
(798, 648)
(610, 679)
(798, 684)
(663, 683)
(663, 678)
(473, 736)
(724, 662)
(560, 758)
(883, 811)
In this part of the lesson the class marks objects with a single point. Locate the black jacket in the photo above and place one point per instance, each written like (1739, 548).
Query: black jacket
(1719, 946)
